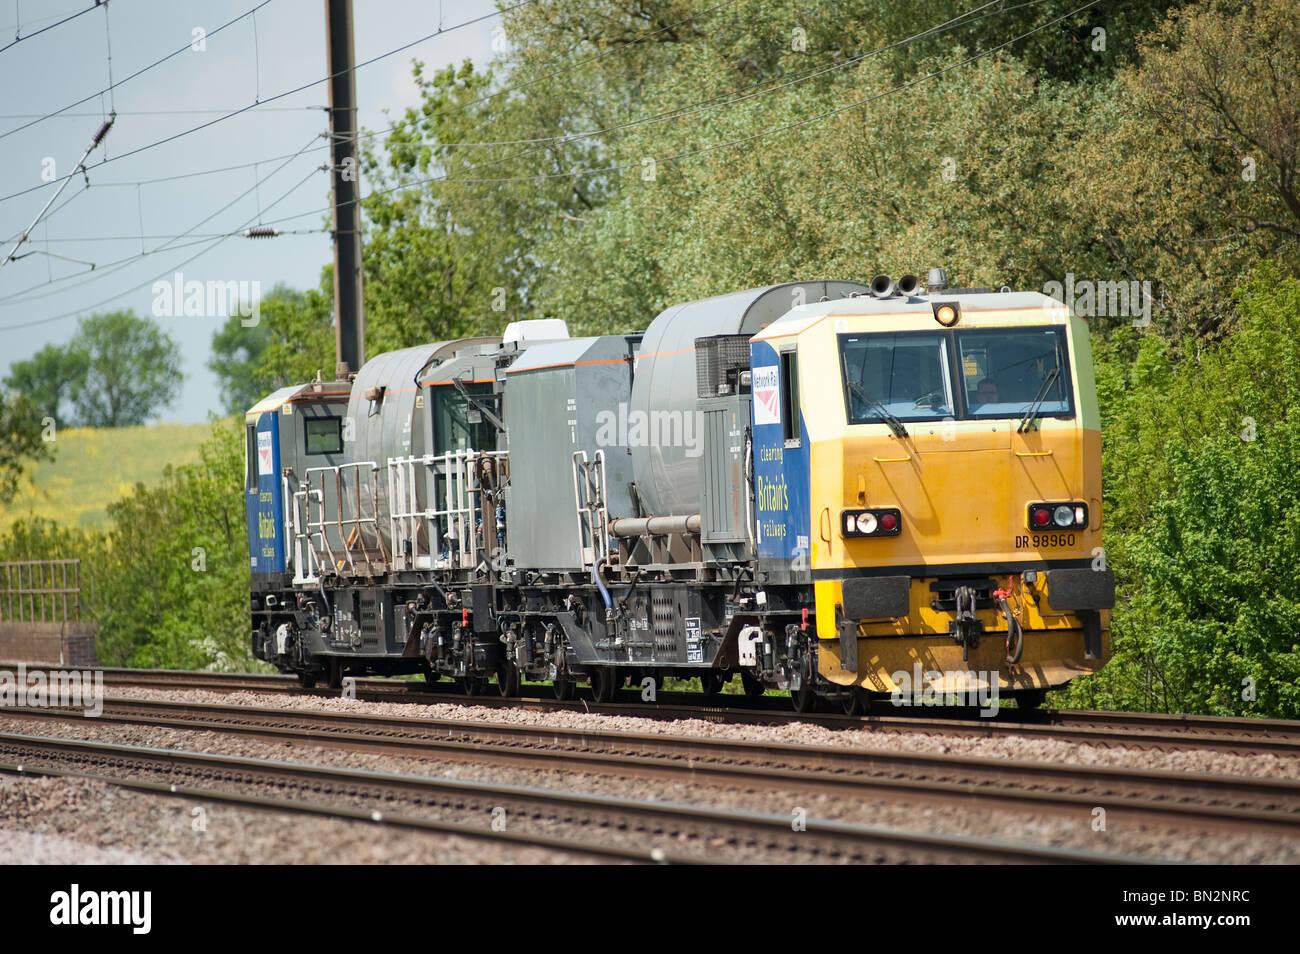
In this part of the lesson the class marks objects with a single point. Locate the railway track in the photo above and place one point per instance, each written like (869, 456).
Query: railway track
(579, 823)
(1196, 802)
(1157, 731)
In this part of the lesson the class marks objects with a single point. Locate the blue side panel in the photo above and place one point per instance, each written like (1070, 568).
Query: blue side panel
(781, 481)
(266, 507)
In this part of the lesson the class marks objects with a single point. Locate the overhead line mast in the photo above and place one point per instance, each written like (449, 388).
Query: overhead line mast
(349, 311)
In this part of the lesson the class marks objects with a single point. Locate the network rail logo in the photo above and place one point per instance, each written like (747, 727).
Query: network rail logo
(58, 689)
(932, 687)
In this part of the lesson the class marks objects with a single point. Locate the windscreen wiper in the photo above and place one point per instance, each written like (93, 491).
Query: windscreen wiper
(894, 423)
(478, 405)
(1031, 414)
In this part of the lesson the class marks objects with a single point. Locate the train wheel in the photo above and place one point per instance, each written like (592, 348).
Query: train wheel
(603, 683)
(563, 686)
(804, 700)
(431, 678)
(853, 702)
(713, 683)
(1031, 698)
(472, 685)
(307, 680)
(753, 685)
(508, 679)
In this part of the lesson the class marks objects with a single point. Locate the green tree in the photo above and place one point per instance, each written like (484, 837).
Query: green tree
(1186, 175)
(293, 339)
(22, 441)
(179, 594)
(50, 379)
(453, 225)
(1199, 463)
(168, 583)
(133, 370)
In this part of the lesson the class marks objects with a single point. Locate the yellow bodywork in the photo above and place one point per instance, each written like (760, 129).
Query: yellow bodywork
(963, 489)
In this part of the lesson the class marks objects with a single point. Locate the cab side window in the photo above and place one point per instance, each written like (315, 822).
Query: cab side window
(324, 435)
(790, 399)
(250, 460)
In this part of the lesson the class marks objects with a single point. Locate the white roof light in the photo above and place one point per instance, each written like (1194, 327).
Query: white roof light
(535, 331)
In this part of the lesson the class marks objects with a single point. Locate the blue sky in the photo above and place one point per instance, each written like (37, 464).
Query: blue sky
(104, 224)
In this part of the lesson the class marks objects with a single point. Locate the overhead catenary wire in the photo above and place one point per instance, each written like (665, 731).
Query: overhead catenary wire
(148, 282)
(614, 168)
(108, 47)
(962, 19)
(261, 105)
(639, 37)
(81, 165)
(19, 38)
(183, 175)
(127, 79)
(706, 149)
(278, 96)
(155, 238)
(26, 295)
(678, 112)
(572, 137)
(156, 112)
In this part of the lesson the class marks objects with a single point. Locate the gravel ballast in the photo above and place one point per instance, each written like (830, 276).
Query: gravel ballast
(999, 745)
(71, 821)
(972, 819)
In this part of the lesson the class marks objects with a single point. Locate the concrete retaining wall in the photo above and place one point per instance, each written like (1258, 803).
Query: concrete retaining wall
(61, 644)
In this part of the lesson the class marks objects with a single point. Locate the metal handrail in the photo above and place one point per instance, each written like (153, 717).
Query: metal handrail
(457, 506)
(589, 499)
(307, 561)
(356, 523)
(36, 588)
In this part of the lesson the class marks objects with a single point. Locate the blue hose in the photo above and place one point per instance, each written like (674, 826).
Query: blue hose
(600, 584)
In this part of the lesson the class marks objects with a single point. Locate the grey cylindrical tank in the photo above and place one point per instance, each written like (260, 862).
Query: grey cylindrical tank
(667, 469)
(394, 425)
(388, 427)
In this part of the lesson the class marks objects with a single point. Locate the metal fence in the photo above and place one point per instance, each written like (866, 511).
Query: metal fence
(40, 591)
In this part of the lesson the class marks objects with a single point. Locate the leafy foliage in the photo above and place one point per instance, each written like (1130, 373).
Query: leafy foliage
(117, 371)
(1202, 509)
(292, 341)
(168, 583)
(21, 442)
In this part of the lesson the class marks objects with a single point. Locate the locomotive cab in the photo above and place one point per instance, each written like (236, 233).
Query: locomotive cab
(944, 486)
(286, 434)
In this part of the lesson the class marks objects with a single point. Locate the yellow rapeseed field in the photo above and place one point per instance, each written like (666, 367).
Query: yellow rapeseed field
(95, 466)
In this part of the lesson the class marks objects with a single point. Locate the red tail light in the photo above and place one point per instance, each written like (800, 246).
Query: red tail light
(1069, 515)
